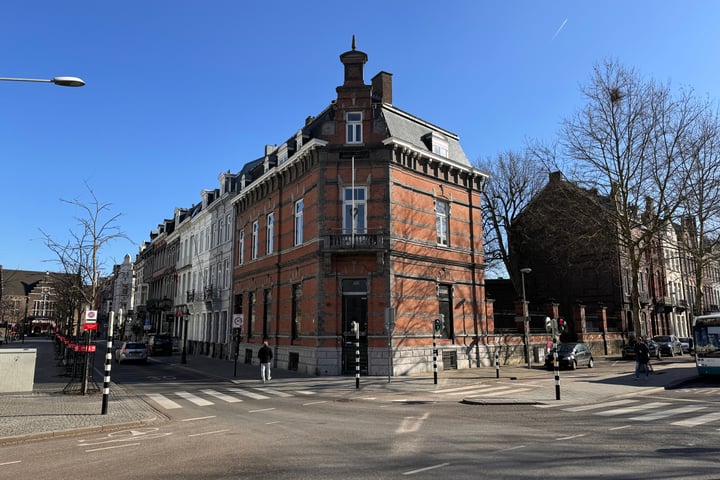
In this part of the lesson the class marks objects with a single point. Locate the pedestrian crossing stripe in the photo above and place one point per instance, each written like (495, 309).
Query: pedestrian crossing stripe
(221, 396)
(667, 413)
(635, 406)
(163, 401)
(699, 420)
(200, 402)
(248, 393)
(275, 392)
(475, 390)
(631, 409)
(594, 406)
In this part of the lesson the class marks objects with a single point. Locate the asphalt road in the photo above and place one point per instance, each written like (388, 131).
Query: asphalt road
(296, 430)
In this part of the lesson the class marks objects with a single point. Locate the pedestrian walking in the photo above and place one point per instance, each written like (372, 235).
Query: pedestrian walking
(265, 355)
(642, 358)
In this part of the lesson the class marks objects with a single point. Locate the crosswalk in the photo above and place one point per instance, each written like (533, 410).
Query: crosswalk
(208, 396)
(637, 410)
(483, 390)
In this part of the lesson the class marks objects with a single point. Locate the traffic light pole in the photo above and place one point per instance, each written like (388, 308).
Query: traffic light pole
(434, 358)
(556, 367)
(356, 329)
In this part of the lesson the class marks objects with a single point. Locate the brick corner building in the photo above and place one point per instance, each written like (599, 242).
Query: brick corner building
(366, 214)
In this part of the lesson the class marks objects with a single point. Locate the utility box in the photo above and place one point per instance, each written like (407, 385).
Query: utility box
(18, 369)
(539, 354)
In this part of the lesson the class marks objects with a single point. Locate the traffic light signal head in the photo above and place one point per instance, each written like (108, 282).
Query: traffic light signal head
(548, 325)
(561, 324)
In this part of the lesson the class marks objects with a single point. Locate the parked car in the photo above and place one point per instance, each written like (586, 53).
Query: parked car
(687, 344)
(131, 352)
(160, 344)
(628, 350)
(571, 355)
(669, 345)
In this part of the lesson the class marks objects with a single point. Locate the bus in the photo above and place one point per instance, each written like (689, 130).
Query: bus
(706, 329)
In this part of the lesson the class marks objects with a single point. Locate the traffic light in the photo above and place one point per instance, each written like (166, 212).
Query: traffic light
(440, 323)
(548, 325)
(561, 325)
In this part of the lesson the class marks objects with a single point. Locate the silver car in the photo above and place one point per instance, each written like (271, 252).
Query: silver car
(669, 345)
(131, 352)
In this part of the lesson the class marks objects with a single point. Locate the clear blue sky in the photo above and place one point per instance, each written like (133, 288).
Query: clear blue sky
(179, 91)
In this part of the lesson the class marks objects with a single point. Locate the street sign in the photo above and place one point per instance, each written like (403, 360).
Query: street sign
(237, 320)
(90, 316)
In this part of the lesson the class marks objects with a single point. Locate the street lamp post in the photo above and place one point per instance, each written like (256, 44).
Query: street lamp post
(526, 319)
(61, 81)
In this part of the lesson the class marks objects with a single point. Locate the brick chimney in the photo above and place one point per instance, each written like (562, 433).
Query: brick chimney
(382, 87)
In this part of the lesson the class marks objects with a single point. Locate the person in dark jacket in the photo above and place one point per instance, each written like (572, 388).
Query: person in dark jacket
(265, 355)
(642, 358)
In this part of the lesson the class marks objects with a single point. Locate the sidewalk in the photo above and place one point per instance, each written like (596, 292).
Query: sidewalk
(47, 412)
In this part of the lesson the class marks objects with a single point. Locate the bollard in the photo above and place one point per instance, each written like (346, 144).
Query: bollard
(108, 366)
(497, 365)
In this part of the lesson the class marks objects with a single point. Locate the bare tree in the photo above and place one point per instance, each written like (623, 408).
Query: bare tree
(514, 179)
(628, 141)
(79, 255)
(700, 206)
(79, 258)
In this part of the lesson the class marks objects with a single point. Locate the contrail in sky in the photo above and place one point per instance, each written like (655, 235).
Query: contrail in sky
(558, 30)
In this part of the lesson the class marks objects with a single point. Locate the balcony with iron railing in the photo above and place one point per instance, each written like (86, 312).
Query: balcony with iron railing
(344, 242)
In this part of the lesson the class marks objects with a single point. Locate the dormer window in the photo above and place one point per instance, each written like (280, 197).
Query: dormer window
(437, 144)
(354, 127)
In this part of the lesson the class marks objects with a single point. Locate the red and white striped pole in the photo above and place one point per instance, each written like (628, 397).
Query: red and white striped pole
(108, 364)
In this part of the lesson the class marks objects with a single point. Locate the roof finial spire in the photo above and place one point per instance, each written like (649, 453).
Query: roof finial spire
(353, 42)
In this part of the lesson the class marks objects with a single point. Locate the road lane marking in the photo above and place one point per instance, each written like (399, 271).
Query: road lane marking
(412, 424)
(197, 418)
(112, 447)
(261, 410)
(208, 433)
(571, 437)
(10, 463)
(163, 401)
(432, 467)
(314, 403)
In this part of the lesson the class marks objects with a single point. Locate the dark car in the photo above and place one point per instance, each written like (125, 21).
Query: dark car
(131, 352)
(160, 345)
(628, 350)
(571, 355)
(669, 345)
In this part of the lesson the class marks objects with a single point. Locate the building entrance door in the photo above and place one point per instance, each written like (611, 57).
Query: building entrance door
(354, 308)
